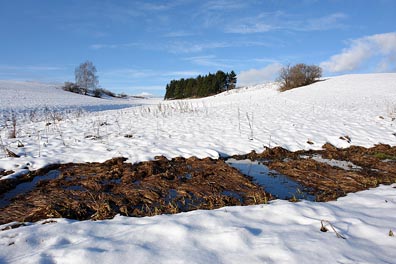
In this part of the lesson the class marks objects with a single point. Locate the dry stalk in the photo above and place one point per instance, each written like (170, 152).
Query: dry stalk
(324, 229)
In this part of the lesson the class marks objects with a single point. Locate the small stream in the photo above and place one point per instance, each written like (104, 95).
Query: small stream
(279, 185)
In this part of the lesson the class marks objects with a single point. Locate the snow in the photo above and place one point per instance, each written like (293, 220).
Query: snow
(362, 107)
(345, 165)
(24, 96)
(279, 232)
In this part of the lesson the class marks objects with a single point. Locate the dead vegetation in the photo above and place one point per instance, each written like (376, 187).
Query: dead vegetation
(102, 190)
(377, 165)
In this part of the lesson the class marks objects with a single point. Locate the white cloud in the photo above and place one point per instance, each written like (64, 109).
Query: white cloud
(256, 76)
(379, 46)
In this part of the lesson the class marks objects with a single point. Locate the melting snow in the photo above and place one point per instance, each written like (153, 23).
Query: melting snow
(359, 106)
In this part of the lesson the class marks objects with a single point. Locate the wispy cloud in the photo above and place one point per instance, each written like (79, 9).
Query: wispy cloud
(216, 13)
(99, 46)
(30, 68)
(194, 47)
(332, 21)
(272, 21)
(223, 5)
(181, 74)
(256, 76)
(180, 46)
(380, 46)
(248, 28)
(208, 60)
(189, 47)
(169, 46)
(177, 34)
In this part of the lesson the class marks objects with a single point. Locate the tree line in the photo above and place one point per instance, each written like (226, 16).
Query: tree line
(201, 86)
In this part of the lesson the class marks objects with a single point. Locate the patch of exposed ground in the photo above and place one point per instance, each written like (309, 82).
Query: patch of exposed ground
(332, 172)
(102, 190)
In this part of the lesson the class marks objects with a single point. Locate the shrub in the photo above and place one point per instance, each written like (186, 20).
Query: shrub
(97, 93)
(298, 75)
(72, 87)
(107, 92)
(122, 95)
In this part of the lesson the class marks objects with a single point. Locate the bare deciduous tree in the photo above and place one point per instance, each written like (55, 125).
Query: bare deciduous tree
(298, 75)
(86, 78)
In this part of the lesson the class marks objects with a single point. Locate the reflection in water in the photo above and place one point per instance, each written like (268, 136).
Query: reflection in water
(277, 184)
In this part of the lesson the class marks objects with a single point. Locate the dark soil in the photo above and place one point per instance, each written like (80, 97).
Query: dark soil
(326, 182)
(102, 190)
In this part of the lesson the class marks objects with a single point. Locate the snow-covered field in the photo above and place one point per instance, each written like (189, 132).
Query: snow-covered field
(29, 96)
(358, 106)
(362, 107)
(280, 232)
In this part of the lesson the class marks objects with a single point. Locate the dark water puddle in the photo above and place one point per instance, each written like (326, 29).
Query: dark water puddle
(279, 185)
(26, 187)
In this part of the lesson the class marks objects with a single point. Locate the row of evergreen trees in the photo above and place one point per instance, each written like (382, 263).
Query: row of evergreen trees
(201, 86)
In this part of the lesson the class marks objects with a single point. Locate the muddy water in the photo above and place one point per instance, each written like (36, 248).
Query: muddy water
(277, 184)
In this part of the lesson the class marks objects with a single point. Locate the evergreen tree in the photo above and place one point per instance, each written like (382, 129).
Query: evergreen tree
(232, 79)
(201, 86)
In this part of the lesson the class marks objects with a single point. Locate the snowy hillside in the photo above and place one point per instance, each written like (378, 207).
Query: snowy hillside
(361, 107)
(24, 96)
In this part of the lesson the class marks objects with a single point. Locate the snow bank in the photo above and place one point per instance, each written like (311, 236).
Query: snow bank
(362, 107)
(280, 232)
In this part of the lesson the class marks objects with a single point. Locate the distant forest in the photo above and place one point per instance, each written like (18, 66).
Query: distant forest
(201, 86)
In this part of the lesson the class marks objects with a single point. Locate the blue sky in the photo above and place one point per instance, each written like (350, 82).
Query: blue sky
(139, 46)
